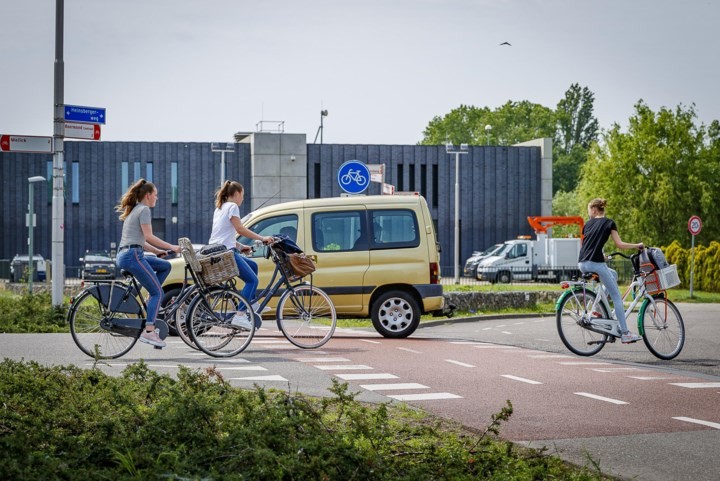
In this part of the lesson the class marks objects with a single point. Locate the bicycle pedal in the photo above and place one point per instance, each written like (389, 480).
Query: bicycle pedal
(158, 348)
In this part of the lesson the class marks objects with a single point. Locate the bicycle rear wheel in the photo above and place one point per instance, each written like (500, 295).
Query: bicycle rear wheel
(572, 314)
(209, 323)
(90, 323)
(662, 328)
(181, 326)
(306, 316)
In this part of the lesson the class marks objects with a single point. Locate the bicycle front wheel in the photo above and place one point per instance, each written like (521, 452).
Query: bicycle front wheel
(181, 326)
(573, 314)
(306, 316)
(662, 328)
(209, 323)
(90, 323)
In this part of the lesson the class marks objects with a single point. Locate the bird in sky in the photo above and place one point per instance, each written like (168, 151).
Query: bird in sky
(506, 43)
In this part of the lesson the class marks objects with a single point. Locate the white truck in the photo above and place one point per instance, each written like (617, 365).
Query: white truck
(543, 259)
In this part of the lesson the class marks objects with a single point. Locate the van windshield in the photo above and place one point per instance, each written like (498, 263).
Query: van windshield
(503, 249)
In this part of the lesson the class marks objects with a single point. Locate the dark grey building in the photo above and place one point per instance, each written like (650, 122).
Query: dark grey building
(499, 187)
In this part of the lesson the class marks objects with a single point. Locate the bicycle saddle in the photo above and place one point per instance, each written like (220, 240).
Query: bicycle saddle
(591, 275)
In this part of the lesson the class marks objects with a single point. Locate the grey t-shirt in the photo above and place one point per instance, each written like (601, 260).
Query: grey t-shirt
(132, 232)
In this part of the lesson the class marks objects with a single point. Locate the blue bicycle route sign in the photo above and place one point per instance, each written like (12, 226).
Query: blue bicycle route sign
(353, 177)
(86, 115)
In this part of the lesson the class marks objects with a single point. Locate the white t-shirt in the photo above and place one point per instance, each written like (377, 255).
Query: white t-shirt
(223, 232)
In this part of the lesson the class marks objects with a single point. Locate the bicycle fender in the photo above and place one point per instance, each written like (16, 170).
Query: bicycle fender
(569, 292)
(641, 313)
(116, 298)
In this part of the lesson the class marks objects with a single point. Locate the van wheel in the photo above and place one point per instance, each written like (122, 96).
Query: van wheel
(395, 314)
(504, 277)
(167, 297)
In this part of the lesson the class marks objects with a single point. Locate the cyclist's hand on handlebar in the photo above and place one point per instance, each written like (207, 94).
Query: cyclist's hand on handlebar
(640, 246)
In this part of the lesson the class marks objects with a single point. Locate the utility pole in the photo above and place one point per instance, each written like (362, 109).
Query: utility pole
(58, 197)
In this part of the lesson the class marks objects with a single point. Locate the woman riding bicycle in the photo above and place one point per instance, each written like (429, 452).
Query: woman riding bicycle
(596, 233)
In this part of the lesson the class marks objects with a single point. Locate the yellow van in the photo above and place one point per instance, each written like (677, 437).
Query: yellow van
(376, 256)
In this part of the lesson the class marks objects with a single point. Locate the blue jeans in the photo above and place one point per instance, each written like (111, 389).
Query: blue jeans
(248, 273)
(608, 277)
(150, 272)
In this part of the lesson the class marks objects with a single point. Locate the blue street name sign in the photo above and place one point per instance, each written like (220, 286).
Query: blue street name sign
(353, 177)
(85, 115)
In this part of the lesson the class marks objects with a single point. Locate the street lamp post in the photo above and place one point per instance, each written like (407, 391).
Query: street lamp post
(488, 129)
(31, 226)
(323, 113)
(463, 150)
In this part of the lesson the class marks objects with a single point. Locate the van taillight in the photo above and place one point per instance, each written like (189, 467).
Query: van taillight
(434, 273)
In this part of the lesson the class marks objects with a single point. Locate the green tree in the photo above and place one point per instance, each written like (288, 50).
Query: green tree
(655, 176)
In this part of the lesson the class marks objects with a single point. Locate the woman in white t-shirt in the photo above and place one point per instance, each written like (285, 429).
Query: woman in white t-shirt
(227, 226)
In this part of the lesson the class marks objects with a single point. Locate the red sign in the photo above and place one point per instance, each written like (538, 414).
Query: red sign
(26, 143)
(75, 130)
(695, 225)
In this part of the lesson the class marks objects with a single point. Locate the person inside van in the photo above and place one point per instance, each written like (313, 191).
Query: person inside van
(289, 231)
(225, 229)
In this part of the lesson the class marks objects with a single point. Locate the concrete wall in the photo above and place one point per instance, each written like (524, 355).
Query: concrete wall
(278, 166)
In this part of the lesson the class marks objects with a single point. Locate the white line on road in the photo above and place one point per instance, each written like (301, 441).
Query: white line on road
(369, 341)
(648, 378)
(699, 421)
(340, 367)
(472, 343)
(407, 349)
(322, 359)
(392, 387)
(458, 363)
(615, 369)
(259, 378)
(425, 397)
(241, 368)
(500, 325)
(487, 328)
(494, 346)
(521, 379)
(366, 377)
(696, 385)
(583, 363)
(506, 332)
(600, 398)
(549, 356)
(518, 324)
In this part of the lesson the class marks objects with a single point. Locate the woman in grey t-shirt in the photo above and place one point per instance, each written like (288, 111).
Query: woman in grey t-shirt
(137, 237)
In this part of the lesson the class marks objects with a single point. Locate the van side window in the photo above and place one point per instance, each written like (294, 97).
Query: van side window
(393, 229)
(283, 224)
(339, 231)
(519, 250)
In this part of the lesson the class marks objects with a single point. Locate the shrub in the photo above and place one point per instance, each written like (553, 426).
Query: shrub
(31, 313)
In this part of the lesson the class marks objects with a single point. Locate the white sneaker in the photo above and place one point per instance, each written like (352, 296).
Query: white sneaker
(256, 306)
(629, 337)
(240, 319)
(152, 338)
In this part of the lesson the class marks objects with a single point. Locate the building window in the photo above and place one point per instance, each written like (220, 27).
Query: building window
(75, 185)
(423, 180)
(124, 177)
(434, 181)
(174, 182)
(136, 171)
(149, 171)
(400, 183)
(317, 180)
(412, 185)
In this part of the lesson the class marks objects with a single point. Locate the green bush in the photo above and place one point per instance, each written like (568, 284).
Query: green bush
(68, 423)
(706, 276)
(31, 313)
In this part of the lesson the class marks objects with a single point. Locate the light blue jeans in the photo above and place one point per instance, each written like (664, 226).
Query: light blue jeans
(608, 277)
(150, 272)
(248, 273)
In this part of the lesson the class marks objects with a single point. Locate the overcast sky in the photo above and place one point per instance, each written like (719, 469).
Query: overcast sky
(200, 70)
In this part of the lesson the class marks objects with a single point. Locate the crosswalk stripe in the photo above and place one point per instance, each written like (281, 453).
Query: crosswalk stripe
(366, 376)
(393, 386)
(425, 397)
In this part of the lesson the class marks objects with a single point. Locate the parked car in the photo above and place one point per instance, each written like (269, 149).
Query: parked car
(19, 268)
(98, 265)
(376, 256)
(470, 269)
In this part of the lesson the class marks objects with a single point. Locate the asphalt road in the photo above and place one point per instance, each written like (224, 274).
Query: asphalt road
(636, 416)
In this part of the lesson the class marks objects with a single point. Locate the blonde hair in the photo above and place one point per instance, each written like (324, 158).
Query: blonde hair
(134, 195)
(227, 190)
(598, 204)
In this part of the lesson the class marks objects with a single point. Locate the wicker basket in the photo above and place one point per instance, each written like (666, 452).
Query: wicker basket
(188, 253)
(217, 268)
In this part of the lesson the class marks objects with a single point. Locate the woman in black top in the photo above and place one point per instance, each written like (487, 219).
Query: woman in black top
(596, 233)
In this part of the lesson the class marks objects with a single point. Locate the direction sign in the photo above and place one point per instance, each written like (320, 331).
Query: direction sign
(26, 143)
(86, 115)
(695, 225)
(82, 131)
(353, 177)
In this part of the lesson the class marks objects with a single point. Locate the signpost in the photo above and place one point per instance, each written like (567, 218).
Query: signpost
(26, 143)
(82, 131)
(85, 115)
(353, 177)
(695, 227)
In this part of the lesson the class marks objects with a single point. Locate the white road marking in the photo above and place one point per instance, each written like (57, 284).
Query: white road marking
(615, 369)
(540, 320)
(349, 367)
(549, 356)
(600, 398)
(487, 328)
(235, 360)
(260, 378)
(425, 397)
(278, 347)
(494, 346)
(699, 421)
(409, 350)
(458, 363)
(696, 385)
(369, 341)
(506, 332)
(472, 343)
(583, 363)
(392, 387)
(648, 378)
(521, 379)
(542, 339)
(367, 376)
(322, 359)
(500, 325)
(518, 324)
(241, 368)
(270, 341)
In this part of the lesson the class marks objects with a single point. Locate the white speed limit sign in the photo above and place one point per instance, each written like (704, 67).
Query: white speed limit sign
(694, 225)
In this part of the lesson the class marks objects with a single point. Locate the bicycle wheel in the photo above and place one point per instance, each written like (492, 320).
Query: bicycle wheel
(306, 316)
(572, 316)
(209, 323)
(90, 323)
(180, 325)
(662, 328)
